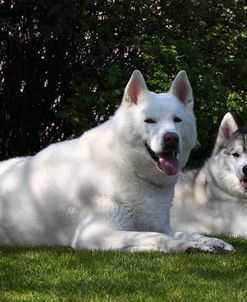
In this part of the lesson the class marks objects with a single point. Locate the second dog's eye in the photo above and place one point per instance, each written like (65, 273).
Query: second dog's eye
(150, 121)
(177, 119)
(235, 154)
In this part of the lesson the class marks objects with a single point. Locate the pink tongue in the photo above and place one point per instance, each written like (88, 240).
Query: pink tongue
(244, 185)
(169, 165)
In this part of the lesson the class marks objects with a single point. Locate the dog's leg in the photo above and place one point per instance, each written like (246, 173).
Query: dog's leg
(218, 244)
(98, 238)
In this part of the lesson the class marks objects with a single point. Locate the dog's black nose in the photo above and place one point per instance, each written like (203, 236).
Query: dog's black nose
(171, 139)
(244, 169)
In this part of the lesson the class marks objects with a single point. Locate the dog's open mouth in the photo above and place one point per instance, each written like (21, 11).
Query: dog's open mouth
(166, 161)
(243, 183)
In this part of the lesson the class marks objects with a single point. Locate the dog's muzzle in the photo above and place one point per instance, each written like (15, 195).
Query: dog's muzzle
(243, 181)
(166, 160)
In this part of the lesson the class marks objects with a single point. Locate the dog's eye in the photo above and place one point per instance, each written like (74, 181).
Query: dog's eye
(235, 154)
(150, 121)
(177, 119)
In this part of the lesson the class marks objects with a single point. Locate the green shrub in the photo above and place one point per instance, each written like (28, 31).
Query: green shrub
(65, 63)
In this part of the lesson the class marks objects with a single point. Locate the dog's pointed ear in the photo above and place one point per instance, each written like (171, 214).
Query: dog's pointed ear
(181, 88)
(227, 127)
(135, 88)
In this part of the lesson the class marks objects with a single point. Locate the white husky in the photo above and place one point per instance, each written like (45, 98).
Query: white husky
(111, 188)
(213, 199)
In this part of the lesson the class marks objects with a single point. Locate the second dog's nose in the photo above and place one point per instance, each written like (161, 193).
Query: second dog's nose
(172, 138)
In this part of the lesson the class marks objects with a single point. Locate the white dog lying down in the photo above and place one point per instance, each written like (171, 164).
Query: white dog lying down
(213, 199)
(111, 188)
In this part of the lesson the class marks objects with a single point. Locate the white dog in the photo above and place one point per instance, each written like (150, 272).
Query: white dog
(111, 188)
(213, 199)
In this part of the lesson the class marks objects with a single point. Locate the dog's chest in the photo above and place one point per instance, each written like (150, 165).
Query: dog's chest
(133, 204)
(148, 208)
(151, 220)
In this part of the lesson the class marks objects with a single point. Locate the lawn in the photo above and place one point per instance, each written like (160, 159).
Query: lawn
(62, 274)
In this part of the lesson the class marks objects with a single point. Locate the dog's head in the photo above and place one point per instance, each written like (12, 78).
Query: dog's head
(230, 156)
(160, 126)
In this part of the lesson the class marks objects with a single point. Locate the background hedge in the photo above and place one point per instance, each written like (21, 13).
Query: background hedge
(64, 64)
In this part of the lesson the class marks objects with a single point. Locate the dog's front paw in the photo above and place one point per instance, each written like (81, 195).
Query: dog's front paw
(195, 242)
(220, 246)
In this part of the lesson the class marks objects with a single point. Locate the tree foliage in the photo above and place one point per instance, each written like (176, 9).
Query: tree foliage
(64, 64)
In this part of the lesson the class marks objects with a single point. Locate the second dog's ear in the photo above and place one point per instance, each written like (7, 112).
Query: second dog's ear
(227, 127)
(181, 88)
(135, 88)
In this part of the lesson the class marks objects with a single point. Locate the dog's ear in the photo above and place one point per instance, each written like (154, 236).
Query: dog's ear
(227, 127)
(181, 88)
(135, 88)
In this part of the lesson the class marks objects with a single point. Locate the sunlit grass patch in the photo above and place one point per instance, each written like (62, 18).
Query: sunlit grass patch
(61, 274)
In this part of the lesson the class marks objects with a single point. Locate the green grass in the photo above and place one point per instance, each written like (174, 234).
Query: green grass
(62, 274)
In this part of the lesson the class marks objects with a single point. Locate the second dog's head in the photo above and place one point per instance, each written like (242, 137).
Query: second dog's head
(229, 158)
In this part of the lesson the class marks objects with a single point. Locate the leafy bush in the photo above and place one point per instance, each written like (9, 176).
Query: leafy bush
(65, 63)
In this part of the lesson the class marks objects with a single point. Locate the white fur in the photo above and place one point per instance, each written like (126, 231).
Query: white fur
(214, 201)
(103, 190)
